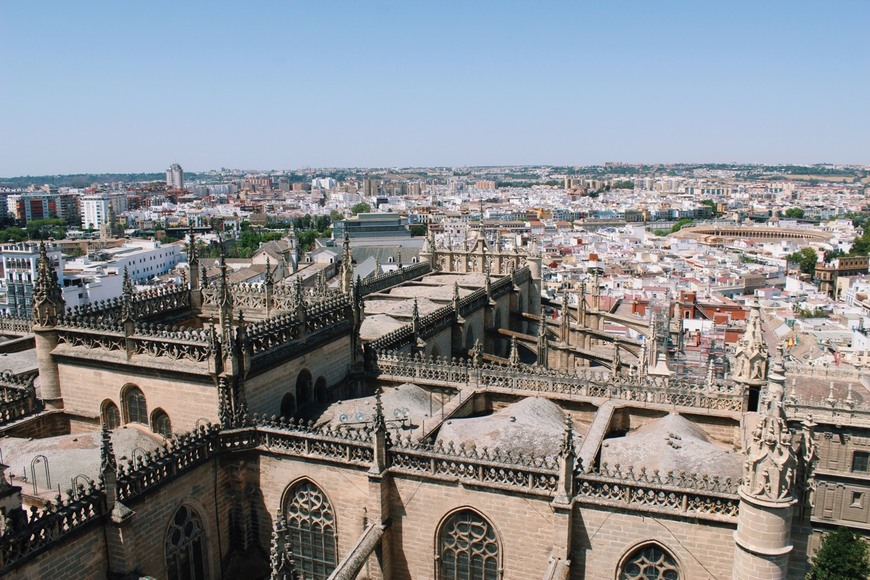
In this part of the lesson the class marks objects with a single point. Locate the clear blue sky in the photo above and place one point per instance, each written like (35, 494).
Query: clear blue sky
(134, 86)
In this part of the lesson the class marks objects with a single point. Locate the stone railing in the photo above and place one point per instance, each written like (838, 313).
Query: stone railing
(160, 301)
(691, 495)
(534, 379)
(387, 280)
(176, 343)
(17, 398)
(140, 475)
(343, 445)
(393, 340)
(158, 340)
(837, 412)
(836, 373)
(43, 528)
(435, 322)
(148, 303)
(327, 312)
(484, 467)
(272, 332)
(15, 325)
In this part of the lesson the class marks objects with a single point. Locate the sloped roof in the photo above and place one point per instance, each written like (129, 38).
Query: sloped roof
(532, 426)
(671, 443)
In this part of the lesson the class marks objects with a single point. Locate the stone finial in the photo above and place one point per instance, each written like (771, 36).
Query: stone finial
(128, 283)
(47, 296)
(415, 318)
(268, 280)
(192, 258)
(514, 356)
(711, 377)
(566, 447)
(378, 420)
(107, 452)
(614, 368)
(543, 343)
(771, 467)
(477, 353)
(751, 355)
(280, 556)
(534, 250)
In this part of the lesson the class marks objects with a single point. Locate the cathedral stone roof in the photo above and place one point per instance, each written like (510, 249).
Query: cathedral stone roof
(72, 455)
(374, 327)
(671, 443)
(407, 401)
(532, 426)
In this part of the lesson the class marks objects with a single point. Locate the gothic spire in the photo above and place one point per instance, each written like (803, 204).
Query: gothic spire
(515, 352)
(107, 451)
(47, 297)
(280, 556)
(192, 258)
(268, 279)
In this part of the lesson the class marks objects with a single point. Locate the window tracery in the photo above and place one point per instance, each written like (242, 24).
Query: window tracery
(650, 562)
(468, 548)
(185, 549)
(311, 528)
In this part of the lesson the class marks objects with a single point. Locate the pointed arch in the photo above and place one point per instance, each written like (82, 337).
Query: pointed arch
(312, 529)
(467, 546)
(134, 404)
(648, 560)
(320, 392)
(160, 422)
(110, 415)
(185, 546)
(304, 387)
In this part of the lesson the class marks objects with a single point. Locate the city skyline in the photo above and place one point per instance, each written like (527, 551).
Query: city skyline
(134, 88)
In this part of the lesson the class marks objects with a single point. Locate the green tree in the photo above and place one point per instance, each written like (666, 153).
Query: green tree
(842, 556)
(419, 230)
(361, 207)
(805, 258)
(336, 215)
(681, 224)
(794, 212)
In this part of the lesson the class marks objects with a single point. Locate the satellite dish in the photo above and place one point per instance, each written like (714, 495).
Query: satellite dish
(360, 416)
(342, 418)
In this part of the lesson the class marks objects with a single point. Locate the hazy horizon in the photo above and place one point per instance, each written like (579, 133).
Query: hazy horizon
(122, 88)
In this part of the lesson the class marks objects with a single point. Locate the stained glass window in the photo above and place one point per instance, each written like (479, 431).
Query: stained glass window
(185, 547)
(650, 562)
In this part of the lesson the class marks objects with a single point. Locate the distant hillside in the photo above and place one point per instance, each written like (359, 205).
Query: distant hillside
(84, 179)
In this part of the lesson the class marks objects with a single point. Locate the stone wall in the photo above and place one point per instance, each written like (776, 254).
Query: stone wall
(524, 526)
(603, 537)
(264, 392)
(81, 556)
(183, 397)
(203, 489)
(346, 489)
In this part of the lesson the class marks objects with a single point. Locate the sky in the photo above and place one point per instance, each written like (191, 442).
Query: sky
(135, 86)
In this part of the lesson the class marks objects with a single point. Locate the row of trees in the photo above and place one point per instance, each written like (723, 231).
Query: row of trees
(35, 230)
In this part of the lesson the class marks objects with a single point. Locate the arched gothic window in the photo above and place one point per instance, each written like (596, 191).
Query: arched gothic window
(160, 423)
(111, 415)
(468, 548)
(311, 526)
(649, 562)
(134, 405)
(185, 547)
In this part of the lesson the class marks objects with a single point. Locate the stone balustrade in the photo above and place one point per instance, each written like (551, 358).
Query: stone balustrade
(15, 325)
(139, 475)
(17, 398)
(383, 281)
(26, 537)
(584, 383)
